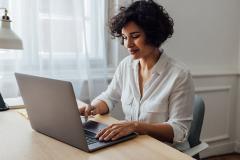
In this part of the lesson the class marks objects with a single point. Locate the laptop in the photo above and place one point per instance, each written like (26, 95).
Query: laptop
(52, 110)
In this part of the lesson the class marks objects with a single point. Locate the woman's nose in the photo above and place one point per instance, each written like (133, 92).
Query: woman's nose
(129, 43)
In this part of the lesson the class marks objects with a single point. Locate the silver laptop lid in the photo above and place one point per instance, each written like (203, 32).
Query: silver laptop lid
(52, 108)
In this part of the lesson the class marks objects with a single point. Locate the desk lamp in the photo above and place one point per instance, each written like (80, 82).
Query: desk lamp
(8, 40)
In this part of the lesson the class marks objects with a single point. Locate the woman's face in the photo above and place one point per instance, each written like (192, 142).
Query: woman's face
(134, 40)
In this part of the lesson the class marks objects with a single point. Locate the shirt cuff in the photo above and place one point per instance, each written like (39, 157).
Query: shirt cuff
(180, 131)
(109, 103)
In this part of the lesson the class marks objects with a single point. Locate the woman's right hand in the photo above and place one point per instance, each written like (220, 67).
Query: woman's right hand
(96, 107)
(87, 110)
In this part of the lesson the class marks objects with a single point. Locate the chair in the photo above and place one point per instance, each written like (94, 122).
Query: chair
(196, 145)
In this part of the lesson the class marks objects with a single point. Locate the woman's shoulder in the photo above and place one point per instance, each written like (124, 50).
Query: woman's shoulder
(179, 73)
(178, 66)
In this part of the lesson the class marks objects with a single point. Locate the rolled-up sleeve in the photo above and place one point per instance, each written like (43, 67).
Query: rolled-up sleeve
(180, 107)
(112, 95)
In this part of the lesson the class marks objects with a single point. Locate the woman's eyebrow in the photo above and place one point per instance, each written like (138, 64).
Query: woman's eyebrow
(131, 33)
(134, 33)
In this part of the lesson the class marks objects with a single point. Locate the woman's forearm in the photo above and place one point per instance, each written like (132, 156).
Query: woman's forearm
(101, 106)
(162, 132)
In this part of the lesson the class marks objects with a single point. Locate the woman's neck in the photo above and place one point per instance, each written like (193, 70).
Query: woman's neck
(146, 63)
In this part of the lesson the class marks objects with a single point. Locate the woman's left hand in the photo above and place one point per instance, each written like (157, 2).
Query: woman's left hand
(116, 131)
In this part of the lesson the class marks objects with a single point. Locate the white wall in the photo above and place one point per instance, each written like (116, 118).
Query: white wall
(237, 147)
(206, 34)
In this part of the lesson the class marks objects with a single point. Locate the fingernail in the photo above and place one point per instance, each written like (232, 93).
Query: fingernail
(106, 139)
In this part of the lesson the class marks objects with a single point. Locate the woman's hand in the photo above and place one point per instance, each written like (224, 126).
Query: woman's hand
(116, 131)
(96, 107)
(87, 110)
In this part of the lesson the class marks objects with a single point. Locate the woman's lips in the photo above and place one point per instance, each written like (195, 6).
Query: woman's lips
(133, 51)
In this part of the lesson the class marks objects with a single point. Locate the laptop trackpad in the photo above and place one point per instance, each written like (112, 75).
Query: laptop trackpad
(93, 126)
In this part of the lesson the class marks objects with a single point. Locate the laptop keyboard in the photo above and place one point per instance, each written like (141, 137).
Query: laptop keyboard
(90, 137)
(90, 129)
(90, 140)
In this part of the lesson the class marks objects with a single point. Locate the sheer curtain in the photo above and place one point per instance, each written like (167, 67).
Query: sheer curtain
(63, 39)
(118, 52)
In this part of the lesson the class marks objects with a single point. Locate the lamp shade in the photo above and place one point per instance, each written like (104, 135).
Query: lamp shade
(8, 39)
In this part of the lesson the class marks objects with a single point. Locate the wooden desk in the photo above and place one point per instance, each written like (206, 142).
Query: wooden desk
(19, 142)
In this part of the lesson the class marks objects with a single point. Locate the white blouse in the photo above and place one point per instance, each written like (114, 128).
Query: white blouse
(167, 96)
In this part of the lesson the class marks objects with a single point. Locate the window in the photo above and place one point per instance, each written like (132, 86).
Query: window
(61, 38)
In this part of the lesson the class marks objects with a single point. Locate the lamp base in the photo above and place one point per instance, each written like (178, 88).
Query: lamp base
(3, 108)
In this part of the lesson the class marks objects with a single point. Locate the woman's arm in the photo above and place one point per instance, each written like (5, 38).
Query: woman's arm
(107, 99)
(100, 107)
(160, 131)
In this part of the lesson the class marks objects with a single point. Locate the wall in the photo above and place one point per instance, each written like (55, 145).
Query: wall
(237, 147)
(206, 34)
(219, 127)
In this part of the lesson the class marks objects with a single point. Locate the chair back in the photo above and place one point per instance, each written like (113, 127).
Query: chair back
(196, 126)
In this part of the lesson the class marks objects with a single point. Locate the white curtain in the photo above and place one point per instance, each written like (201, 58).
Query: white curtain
(63, 39)
(118, 52)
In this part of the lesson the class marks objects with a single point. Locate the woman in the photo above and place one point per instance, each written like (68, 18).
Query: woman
(156, 91)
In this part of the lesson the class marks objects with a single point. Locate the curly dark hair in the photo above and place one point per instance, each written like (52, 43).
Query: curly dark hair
(151, 17)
